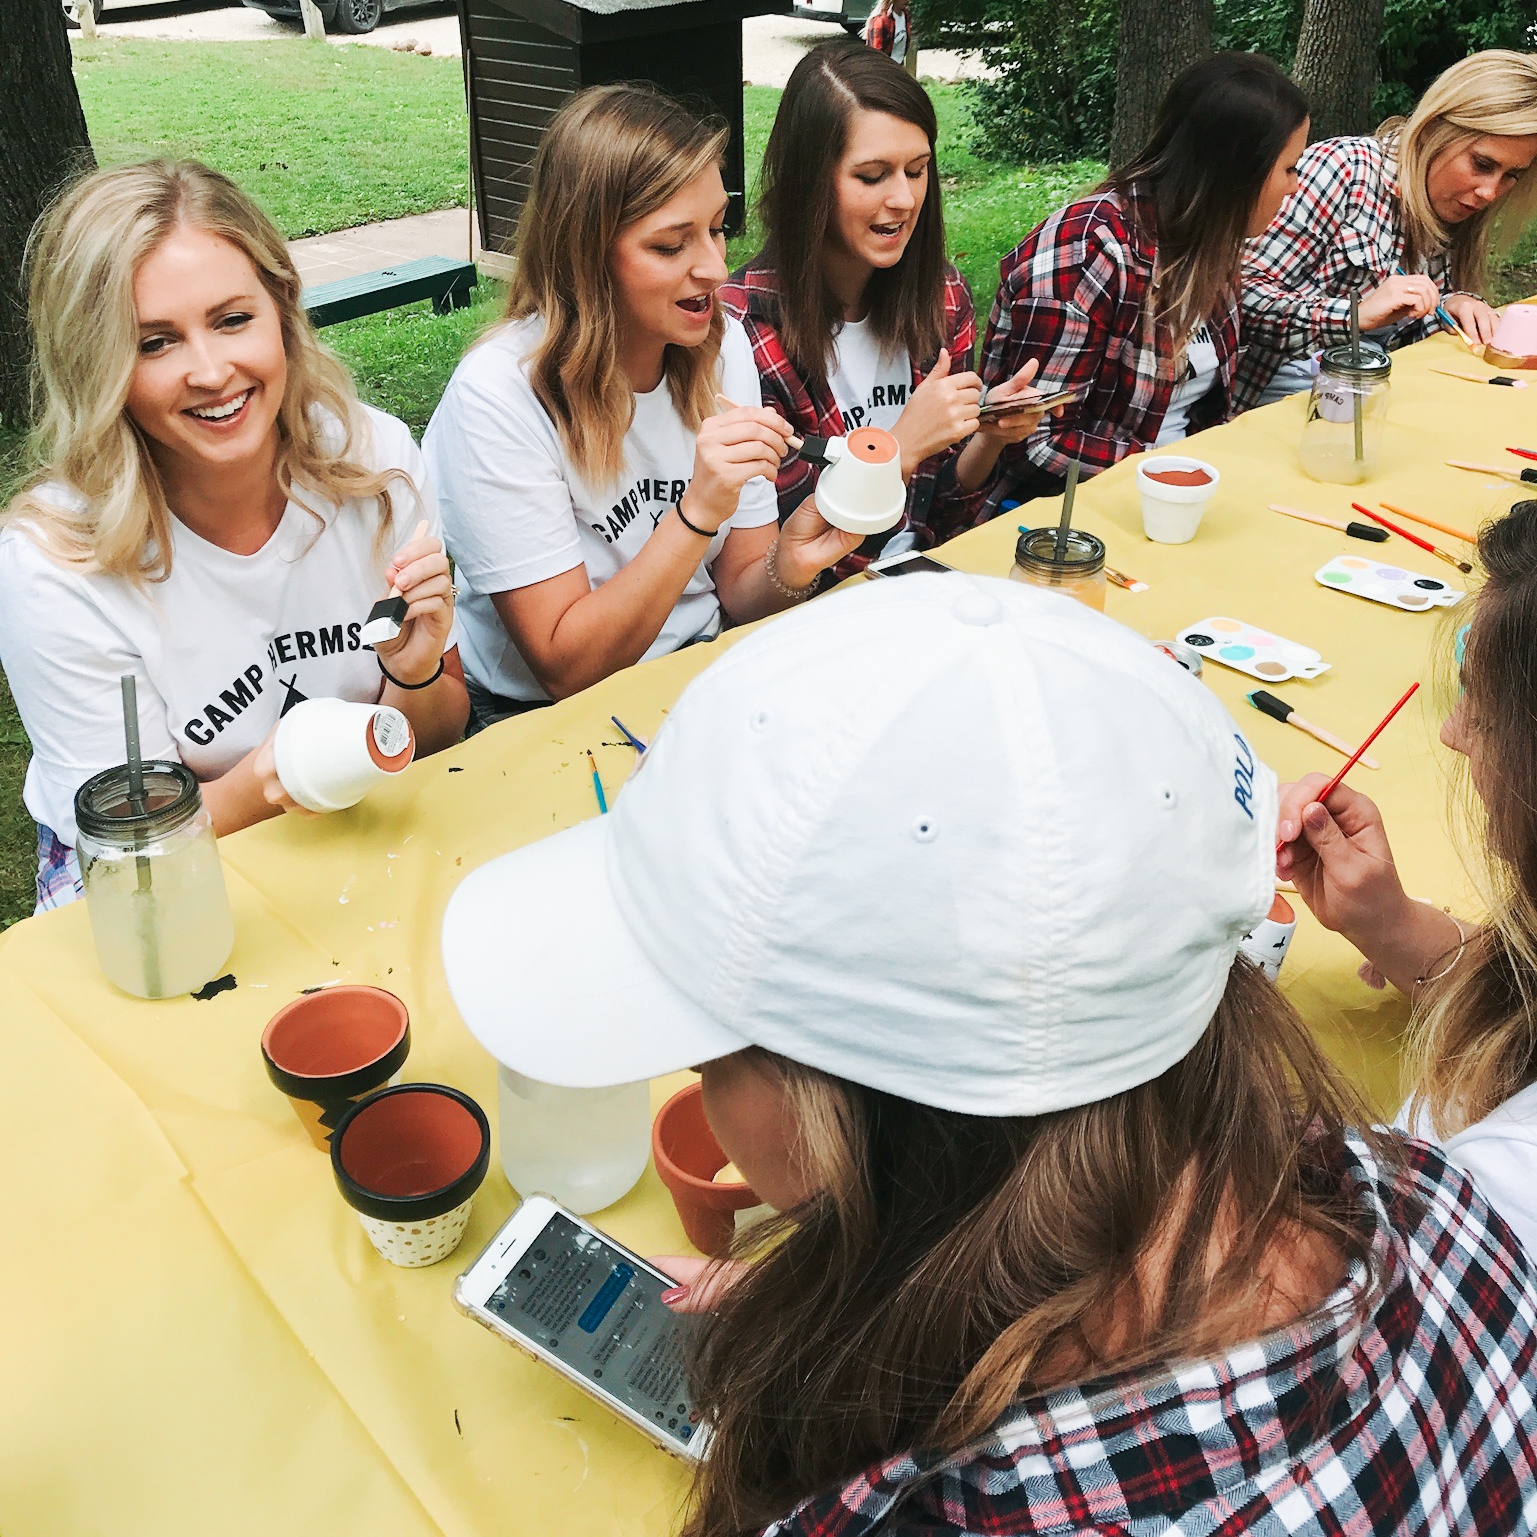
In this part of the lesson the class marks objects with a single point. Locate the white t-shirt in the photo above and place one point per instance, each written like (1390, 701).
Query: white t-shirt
(899, 38)
(217, 649)
(1499, 1154)
(517, 512)
(869, 383)
(1200, 375)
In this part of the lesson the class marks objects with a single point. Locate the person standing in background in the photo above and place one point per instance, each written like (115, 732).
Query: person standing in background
(890, 31)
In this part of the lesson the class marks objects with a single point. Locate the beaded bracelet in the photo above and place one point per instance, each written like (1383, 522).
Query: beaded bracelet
(771, 570)
(1462, 944)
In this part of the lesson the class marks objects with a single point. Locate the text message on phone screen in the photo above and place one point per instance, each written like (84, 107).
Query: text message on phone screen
(596, 1311)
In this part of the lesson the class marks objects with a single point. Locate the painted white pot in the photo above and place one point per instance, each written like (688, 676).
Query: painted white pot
(330, 753)
(862, 491)
(1172, 514)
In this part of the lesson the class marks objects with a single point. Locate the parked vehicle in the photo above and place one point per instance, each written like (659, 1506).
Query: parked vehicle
(72, 10)
(338, 15)
(851, 15)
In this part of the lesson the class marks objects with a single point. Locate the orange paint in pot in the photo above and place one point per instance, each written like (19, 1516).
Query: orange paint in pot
(1179, 477)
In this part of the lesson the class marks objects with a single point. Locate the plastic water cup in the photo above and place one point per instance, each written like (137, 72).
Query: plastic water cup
(1171, 514)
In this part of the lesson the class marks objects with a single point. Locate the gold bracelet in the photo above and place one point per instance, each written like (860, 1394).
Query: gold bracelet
(1456, 955)
(771, 570)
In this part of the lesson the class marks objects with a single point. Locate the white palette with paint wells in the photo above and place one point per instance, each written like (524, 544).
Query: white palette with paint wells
(1248, 649)
(1383, 582)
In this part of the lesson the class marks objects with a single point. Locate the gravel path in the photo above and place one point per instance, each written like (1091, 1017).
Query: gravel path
(771, 45)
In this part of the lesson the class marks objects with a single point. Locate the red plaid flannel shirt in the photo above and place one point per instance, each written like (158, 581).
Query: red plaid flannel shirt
(1074, 295)
(1419, 1422)
(936, 505)
(1341, 226)
(881, 31)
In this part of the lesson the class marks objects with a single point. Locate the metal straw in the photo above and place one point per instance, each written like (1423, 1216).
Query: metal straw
(144, 897)
(1355, 357)
(1065, 526)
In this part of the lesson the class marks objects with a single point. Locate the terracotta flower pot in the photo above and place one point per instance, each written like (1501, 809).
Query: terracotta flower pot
(327, 1050)
(408, 1160)
(688, 1158)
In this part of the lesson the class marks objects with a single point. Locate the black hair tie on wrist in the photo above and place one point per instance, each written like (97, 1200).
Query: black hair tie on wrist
(390, 677)
(693, 528)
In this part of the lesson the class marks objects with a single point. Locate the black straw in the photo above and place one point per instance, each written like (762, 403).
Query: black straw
(1065, 526)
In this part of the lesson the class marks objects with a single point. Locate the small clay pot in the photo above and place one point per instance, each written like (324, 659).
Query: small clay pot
(329, 1049)
(688, 1157)
(408, 1160)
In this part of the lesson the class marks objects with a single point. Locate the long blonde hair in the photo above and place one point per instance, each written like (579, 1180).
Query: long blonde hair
(948, 1264)
(1494, 92)
(612, 155)
(80, 265)
(1474, 1042)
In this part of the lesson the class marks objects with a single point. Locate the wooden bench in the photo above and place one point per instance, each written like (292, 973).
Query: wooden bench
(442, 279)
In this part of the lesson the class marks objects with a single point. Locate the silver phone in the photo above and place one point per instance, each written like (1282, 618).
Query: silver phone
(573, 1298)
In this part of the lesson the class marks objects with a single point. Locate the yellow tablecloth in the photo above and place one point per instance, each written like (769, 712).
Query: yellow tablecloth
(194, 1334)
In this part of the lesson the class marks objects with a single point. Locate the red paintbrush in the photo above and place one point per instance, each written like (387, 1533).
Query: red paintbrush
(1525, 453)
(1355, 757)
(1404, 533)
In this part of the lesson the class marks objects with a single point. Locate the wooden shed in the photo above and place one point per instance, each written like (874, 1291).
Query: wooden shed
(523, 58)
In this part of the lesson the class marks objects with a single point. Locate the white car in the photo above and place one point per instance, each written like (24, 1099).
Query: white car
(851, 15)
(72, 10)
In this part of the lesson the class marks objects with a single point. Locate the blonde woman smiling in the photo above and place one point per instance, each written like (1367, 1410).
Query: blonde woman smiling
(600, 508)
(1406, 216)
(216, 512)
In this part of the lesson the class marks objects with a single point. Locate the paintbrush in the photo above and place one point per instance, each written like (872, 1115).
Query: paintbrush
(1367, 531)
(1356, 756)
(597, 785)
(1120, 579)
(1278, 709)
(1440, 528)
(387, 616)
(1502, 470)
(1524, 453)
(628, 735)
(1424, 544)
(1505, 379)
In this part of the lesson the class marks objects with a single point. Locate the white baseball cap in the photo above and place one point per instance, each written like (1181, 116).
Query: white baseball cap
(950, 837)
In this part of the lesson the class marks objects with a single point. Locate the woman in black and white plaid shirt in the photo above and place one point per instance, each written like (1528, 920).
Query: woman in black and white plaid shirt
(1405, 215)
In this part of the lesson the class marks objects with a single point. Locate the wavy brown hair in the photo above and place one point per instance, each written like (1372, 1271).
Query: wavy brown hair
(81, 261)
(798, 202)
(1494, 92)
(951, 1263)
(1474, 1043)
(612, 155)
(1219, 131)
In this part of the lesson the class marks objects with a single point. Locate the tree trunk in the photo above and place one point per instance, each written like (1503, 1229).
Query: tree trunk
(43, 142)
(1337, 64)
(1158, 38)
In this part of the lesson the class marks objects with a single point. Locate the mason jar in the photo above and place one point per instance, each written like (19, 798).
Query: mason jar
(154, 884)
(1348, 406)
(1079, 574)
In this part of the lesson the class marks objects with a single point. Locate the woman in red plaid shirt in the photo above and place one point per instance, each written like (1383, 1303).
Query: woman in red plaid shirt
(1405, 215)
(855, 317)
(1131, 293)
(890, 31)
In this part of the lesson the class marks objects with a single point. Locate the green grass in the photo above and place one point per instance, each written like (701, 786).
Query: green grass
(324, 137)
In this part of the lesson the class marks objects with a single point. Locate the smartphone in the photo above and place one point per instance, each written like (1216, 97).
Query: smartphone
(989, 411)
(571, 1297)
(905, 564)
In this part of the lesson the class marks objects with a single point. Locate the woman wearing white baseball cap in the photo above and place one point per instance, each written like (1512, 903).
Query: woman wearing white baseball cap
(943, 883)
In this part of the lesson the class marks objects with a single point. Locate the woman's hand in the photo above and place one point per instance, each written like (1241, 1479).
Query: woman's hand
(1339, 859)
(808, 544)
(701, 1282)
(1016, 426)
(1404, 296)
(419, 572)
(1473, 315)
(941, 411)
(264, 769)
(730, 450)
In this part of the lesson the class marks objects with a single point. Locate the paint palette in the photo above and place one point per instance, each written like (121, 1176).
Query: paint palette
(1270, 658)
(1384, 583)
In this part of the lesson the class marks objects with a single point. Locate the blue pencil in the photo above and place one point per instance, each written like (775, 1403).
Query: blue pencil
(597, 785)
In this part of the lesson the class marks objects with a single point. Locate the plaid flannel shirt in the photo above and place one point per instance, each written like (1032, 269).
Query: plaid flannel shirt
(936, 505)
(1075, 295)
(1340, 227)
(1419, 1421)
(881, 31)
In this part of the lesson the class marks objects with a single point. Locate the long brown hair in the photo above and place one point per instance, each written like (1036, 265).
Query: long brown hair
(1494, 92)
(1476, 1042)
(613, 154)
(1220, 129)
(797, 204)
(80, 265)
(951, 1263)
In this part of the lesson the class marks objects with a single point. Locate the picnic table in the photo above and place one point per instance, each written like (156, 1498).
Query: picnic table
(197, 1336)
